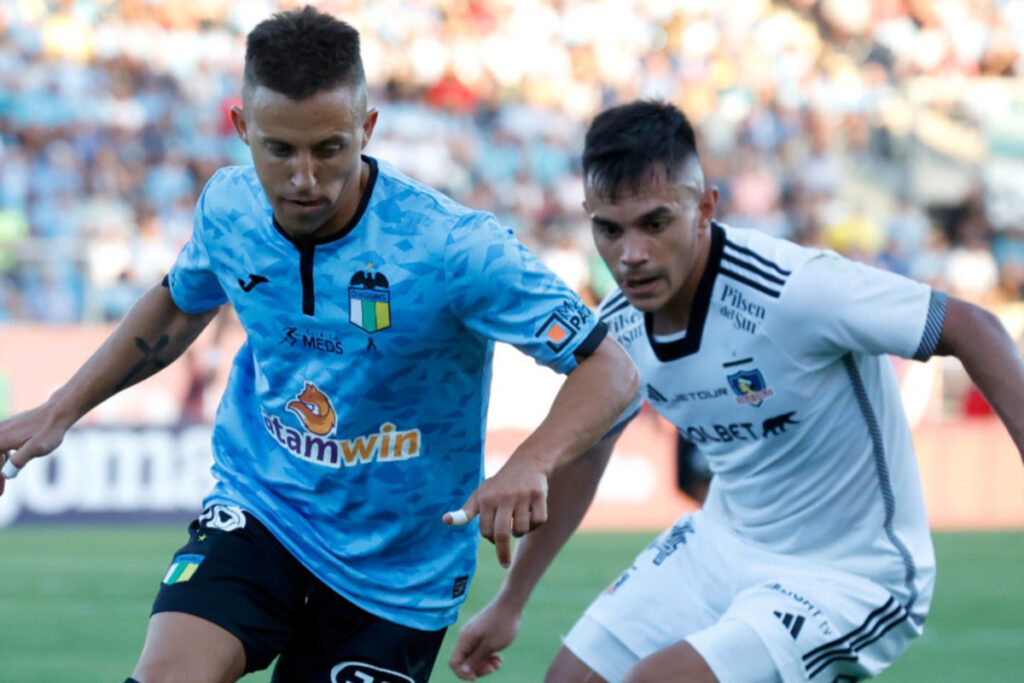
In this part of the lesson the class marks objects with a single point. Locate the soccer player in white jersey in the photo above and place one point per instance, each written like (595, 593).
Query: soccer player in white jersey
(811, 560)
(353, 419)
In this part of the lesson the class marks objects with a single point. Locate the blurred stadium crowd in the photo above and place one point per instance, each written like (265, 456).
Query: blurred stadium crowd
(890, 130)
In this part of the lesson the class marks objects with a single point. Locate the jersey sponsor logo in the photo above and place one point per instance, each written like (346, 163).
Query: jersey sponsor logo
(744, 313)
(369, 301)
(318, 418)
(182, 568)
(312, 340)
(361, 672)
(254, 279)
(614, 586)
(627, 327)
(750, 387)
(563, 325)
(701, 395)
(739, 431)
(774, 426)
(793, 622)
(314, 410)
(223, 517)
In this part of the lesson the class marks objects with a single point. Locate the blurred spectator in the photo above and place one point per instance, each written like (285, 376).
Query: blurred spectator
(812, 116)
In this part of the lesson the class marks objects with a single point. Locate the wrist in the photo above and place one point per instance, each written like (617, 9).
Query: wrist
(62, 409)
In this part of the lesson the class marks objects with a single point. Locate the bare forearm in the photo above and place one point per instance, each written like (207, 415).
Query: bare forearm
(571, 491)
(152, 334)
(593, 396)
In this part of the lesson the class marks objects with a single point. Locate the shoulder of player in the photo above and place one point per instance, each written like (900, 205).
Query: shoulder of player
(232, 189)
(414, 200)
(762, 262)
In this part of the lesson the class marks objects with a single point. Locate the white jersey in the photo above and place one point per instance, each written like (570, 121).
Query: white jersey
(782, 381)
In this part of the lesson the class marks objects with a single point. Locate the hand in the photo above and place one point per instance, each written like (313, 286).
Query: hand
(29, 435)
(480, 640)
(513, 501)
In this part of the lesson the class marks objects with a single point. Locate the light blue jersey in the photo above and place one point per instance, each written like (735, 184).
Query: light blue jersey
(354, 415)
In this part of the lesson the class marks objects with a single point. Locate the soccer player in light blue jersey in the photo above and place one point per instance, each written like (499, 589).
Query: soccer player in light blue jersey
(354, 415)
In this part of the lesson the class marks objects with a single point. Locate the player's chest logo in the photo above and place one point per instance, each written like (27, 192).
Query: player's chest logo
(369, 301)
(750, 387)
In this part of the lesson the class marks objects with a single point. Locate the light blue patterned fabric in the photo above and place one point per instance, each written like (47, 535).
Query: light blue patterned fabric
(354, 415)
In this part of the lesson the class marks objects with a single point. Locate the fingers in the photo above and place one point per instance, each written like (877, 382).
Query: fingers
(10, 469)
(473, 657)
(539, 511)
(463, 515)
(502, 535)
(522, 522)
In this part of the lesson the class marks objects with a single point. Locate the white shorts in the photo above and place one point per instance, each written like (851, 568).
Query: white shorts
(816, 623)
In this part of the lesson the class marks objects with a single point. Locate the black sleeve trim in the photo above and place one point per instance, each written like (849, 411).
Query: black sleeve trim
(593, 340)
(932, 325)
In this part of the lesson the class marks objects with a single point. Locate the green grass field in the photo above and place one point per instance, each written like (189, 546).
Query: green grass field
(74, 604)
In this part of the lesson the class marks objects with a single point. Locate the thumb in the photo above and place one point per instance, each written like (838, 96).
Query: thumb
(464, 515)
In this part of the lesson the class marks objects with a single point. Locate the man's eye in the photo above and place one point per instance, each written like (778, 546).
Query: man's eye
(328, 151)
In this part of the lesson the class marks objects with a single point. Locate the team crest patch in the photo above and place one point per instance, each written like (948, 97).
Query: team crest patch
(369, 301)
(182, 568)
(750, 387)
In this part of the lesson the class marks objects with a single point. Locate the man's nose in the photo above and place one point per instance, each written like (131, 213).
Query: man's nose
(304, 173)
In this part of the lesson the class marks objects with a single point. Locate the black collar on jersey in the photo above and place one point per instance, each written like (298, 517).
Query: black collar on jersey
(364, 201)
(307, 247)
(689, 344)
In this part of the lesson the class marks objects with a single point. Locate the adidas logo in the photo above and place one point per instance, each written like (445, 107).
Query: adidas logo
(791, 622)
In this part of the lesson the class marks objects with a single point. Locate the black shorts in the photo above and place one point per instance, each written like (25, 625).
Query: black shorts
(234, 573)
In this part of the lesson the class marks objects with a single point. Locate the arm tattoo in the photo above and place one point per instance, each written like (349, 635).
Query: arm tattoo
(150, 359)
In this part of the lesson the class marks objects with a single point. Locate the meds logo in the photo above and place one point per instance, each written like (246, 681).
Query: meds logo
(369, 301)
(360, 672)
(750, 387)
(314, 410)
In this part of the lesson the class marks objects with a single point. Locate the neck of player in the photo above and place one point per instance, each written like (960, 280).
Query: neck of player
(674, 316)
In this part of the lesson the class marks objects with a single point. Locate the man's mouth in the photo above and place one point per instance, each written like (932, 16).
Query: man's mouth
(640, 285)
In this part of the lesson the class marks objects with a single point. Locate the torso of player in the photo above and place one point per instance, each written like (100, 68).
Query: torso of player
(796, 466)
(345, 334)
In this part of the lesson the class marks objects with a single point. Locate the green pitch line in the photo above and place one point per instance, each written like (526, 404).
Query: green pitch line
(74, 603)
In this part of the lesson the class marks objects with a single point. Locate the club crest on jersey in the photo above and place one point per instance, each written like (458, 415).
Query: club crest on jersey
(369, 301)
(562, 326)
(750, 387)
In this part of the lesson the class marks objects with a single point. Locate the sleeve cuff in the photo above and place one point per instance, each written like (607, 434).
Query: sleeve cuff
(592, 341)
(932, 326)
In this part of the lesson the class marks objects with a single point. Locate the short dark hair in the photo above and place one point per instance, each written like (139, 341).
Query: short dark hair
(626, 143)
(301, 52)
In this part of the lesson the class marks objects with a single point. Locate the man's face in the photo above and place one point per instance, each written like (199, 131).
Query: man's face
(650, 236)
(307, 154)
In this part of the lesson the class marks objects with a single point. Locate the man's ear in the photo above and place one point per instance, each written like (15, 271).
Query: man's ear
(238, 121)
